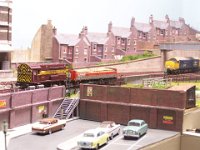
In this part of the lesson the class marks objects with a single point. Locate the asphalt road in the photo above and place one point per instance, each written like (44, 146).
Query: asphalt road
(67, 138)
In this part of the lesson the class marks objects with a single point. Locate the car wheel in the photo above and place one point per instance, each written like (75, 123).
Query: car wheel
(97, 147)
(111, 137)
(118, 132)
(50, 131)
(62, 127)
(107, 140)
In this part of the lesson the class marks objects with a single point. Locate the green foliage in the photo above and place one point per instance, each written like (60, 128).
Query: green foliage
(129, 85)
(198, 103)
(160, 86)
(146, 54)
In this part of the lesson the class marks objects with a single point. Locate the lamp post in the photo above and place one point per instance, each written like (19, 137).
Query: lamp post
(5, 128)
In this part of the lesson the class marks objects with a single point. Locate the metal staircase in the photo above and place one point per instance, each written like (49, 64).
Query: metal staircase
(66, 108)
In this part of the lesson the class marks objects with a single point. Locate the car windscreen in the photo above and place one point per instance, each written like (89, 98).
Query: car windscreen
(88, 135)
(134, 124)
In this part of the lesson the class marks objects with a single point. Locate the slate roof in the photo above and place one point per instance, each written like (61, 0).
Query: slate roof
(100, 38)
(71, 40)
(121, 31)
(176, 24)
(160, 24)
(144, 27)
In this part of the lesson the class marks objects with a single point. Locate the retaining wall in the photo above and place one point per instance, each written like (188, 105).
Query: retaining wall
(28, 106)
(161, 109)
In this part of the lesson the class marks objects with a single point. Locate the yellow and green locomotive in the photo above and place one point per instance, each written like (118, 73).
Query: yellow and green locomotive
(179, 65)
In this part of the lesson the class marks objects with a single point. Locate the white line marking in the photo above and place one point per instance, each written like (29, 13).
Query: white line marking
(135, 144)
(112, 141)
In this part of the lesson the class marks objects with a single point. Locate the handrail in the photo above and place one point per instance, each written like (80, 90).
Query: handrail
(60, 106)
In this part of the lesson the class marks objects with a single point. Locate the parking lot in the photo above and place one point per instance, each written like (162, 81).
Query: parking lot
(67, 138)
(119, 143)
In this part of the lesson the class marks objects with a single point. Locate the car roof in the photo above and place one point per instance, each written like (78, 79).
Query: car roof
(94, 131)
(137, 120)
(48, 120)
(107, 122)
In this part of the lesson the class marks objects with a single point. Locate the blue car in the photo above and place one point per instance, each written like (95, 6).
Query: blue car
(136, 128)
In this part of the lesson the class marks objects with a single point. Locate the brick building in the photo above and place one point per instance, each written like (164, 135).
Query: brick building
(85, 47)
(71, 48)
(5, 34)
(90, 47)
(41, 47)
(146, 36)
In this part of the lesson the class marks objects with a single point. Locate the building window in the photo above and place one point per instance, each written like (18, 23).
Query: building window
(123, 41)
(135, 42)
(70, 51)
(128, 41)
(140, 35)
(105, 49)
(144, 36)
(158, 31)
(94, 46)
(162, 32)
(176, 31)
(105, 56)
(118, 40)
(113, 49)
(76, 49)
(64, 50)
(85, 59)
(85, 51)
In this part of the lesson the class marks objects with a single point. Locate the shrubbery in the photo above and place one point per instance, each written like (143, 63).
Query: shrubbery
(146, 54)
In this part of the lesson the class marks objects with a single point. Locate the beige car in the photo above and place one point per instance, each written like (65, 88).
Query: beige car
(48, 125)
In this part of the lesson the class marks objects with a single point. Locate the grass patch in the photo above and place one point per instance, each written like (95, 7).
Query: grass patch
(146, 54)
(198, 102)
(197, 83)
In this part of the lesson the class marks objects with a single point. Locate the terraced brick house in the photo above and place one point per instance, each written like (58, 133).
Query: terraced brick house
(101, 44)
(122, 38)
(70, 48)
(171, 31)
(90, 47)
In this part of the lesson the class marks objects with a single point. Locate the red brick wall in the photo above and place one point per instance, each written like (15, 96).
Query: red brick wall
(7, 98)
(161, 109)
(21, 98)
(56, 92)
(40, 95)
(117, 94)
(27, 106)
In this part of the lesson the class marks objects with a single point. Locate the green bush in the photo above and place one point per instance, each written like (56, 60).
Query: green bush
(146, 54)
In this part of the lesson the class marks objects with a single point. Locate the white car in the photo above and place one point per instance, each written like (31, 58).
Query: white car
(111, 128)
(93, 139)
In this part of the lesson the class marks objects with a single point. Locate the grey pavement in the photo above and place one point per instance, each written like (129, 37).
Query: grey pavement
(15, 132)
(18, 131)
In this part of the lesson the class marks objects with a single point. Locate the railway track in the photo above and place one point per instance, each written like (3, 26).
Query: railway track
(184, 77)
